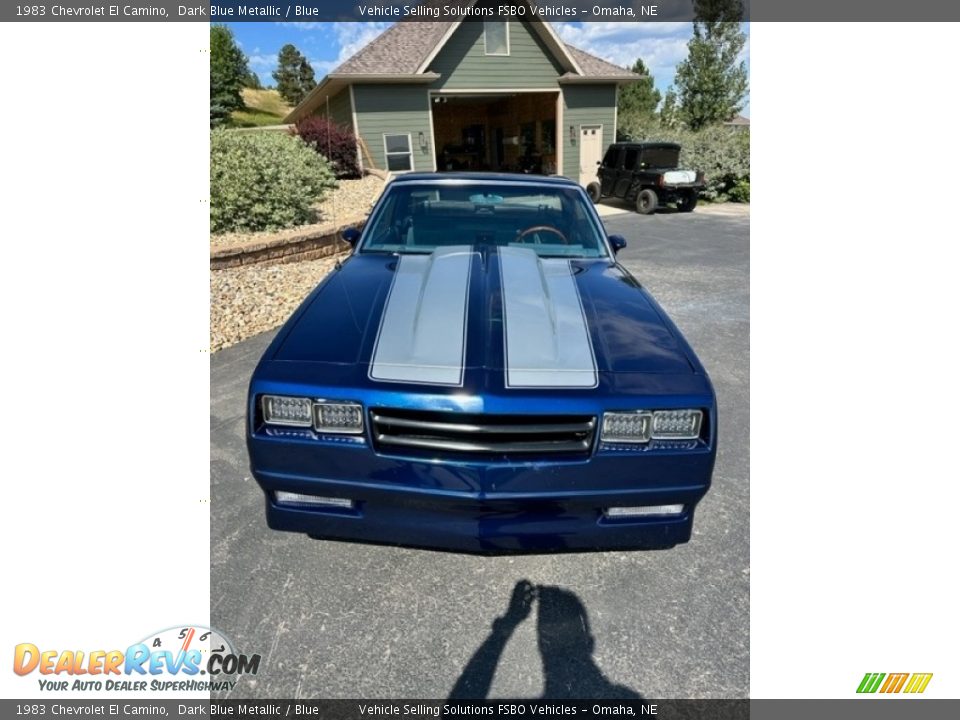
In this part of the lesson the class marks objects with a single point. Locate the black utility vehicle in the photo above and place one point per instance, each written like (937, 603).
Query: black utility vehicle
(647, 174)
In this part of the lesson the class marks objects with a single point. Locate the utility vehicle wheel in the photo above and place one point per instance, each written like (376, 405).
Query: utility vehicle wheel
(646, 202)
(593, 190)
(687, 202)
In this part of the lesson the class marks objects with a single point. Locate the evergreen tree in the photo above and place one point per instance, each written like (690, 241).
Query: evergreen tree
(640, 97)
(718, 10)
(294, 75)
(711, 82)
(307, 80)
(228, 73)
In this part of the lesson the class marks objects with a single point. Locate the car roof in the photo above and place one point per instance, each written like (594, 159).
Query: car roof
(486, 177)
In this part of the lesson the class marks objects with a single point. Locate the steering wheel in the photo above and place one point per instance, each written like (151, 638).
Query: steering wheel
(521, 234)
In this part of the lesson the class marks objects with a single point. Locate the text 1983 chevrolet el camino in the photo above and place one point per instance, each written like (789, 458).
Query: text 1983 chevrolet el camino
(482, 376)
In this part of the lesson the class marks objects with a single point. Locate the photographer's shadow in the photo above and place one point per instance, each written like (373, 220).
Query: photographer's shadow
(566, 648)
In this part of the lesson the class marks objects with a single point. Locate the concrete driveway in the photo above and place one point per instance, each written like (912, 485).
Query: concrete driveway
(343, 620)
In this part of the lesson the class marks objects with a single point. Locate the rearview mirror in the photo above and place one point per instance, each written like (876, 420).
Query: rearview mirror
(617, 242)
(351, 235)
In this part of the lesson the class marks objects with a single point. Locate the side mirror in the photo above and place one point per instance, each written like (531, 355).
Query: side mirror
(617, 242)
(351, 235)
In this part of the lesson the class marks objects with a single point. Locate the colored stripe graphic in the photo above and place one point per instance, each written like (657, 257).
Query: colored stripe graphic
(918, 682)
(894, 682)
(545, 330)
(870, 682)
(422, 336)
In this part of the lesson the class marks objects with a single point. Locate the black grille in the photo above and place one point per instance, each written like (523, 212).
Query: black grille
(462, 433)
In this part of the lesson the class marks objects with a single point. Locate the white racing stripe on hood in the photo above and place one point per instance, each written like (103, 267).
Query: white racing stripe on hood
(545, 330)
(422, 336)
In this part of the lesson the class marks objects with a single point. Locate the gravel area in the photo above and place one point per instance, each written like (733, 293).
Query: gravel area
(245, 301)
(349, 199)
(248, 300)
(352, 197)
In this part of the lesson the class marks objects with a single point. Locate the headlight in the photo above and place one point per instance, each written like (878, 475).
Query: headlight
(329, 417)
(339, 417)
(677, 424)
(289, 411)
(643, 425)
(631, 427)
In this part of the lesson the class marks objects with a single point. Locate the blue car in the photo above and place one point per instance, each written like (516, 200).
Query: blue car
(481, 375)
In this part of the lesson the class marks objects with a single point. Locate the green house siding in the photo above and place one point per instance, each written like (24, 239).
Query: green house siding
(463, 64)
(340, 111)
(394, 109)
(338, 108)
(586, 105)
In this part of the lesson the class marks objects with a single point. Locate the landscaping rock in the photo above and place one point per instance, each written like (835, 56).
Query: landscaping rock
(252, 299)
(248, 300)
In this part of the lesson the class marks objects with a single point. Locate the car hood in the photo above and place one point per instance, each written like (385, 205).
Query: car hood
(431, 319)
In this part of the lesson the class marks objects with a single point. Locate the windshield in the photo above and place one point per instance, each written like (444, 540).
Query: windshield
(554, 221)
(665, 158)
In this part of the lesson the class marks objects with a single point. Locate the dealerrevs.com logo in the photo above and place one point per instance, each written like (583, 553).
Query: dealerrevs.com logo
(912, 683)
(182, 659)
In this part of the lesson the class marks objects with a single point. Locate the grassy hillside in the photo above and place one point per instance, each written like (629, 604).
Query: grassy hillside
(264, 107)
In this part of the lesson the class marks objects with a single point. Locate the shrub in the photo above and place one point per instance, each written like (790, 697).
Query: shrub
(741, 192)
(335, 142)
(721, 152)
(263, 181)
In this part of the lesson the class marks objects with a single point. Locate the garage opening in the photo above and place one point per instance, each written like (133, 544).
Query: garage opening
(508, 132)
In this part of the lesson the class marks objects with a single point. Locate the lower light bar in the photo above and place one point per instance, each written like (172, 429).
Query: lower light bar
(643, 511)
(291, 498)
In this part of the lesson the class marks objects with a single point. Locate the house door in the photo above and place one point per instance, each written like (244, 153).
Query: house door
(591, 150)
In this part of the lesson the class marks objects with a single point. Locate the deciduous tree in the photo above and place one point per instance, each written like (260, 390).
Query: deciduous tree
(669, 112)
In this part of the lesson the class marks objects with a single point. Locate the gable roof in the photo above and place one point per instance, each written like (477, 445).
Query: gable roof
(595, 67)
(405, 46)
(401, 48)
(403, 52)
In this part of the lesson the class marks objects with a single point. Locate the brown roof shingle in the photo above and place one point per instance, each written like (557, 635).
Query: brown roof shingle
(404, 46)
(401, 48)
(593, 66)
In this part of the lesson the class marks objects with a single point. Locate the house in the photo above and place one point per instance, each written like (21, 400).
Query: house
(474, 95)
(738, 122)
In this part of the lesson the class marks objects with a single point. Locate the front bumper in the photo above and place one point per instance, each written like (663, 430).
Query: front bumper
(675, 189)
(508, 507)
(483, 526)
